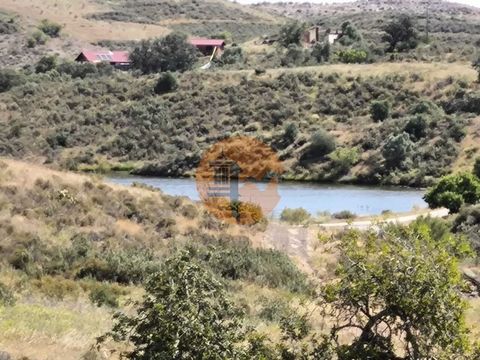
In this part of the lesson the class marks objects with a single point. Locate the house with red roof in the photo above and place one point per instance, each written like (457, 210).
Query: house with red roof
(206, 46)
(119, 59)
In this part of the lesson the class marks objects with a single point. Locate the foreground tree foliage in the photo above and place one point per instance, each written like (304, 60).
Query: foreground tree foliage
(400, 291)
(185, 314)
(171, 53)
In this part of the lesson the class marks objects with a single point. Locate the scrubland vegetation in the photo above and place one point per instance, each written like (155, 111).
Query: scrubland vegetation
(87, 117)
(91, 270)
(72, 241)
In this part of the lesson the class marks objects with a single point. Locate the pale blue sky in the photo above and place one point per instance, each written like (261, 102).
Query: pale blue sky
(468, 2)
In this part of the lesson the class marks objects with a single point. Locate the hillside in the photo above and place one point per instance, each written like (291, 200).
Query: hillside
(453, 28)
(76, 249)
(87, 23)
(117, 121)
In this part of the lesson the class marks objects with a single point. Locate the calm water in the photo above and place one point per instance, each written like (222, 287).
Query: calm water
(361, 200)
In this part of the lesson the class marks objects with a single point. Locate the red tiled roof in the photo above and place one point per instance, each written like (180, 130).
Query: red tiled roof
(207, 42)
(110, 56)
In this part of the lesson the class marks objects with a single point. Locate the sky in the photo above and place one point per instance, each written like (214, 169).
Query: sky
(468, 2)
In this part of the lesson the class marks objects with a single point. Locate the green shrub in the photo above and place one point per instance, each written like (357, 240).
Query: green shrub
(104, 295)
(321, 143)
(344, 214)
(274, 309)
(352, 56)
(166, 82)
(46, 64)
(295, 216)
(36, 38)
(396, 150)
(453, 191)
(290, 133)
(417, 127)
(379, 110)
(50, 28)
(321, 51)
(77, 70)
(232, 55)
(343, 159)
(9, 79)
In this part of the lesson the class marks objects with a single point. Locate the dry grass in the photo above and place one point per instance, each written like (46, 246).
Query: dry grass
(71, 14)
(470, 147)
(429, 72)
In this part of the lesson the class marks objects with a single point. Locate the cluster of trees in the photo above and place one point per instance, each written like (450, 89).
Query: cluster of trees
(399, 35)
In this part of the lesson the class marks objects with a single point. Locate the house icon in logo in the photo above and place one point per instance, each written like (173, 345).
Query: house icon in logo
(225, 178)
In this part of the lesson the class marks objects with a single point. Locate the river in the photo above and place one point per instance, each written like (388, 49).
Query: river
(313, 197)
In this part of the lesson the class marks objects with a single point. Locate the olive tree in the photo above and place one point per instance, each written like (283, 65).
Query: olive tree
(399, 290)
(185, 314)
(291, 33)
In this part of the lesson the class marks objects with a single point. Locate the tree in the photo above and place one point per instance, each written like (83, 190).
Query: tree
(171, 53)
(400, 291)
(290, 133)
(379, 110)
(417, 126)
(165, 83)
(401, 34)
(185, 314)
(291, 33)
(46, 64)
(452, 191)
(396, 149)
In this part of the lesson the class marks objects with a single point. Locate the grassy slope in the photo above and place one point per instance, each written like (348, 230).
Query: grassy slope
(44, 213)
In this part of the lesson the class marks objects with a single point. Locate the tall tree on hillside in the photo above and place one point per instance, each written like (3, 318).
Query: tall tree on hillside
(171, 53)
(401, 34)
(291, 33)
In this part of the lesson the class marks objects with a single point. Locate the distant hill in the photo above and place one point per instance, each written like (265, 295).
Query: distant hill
(91, 22)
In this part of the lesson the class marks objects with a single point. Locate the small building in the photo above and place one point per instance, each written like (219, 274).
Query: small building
(207, 46)
(119, 59)
(316, 34)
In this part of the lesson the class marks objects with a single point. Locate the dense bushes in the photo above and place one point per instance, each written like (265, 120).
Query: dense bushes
(95, 121)
(352, 56)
